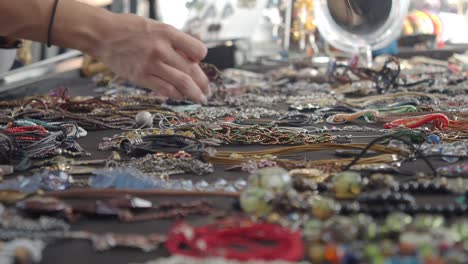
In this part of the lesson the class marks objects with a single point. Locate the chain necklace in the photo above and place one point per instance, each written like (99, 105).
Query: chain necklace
(181, 162)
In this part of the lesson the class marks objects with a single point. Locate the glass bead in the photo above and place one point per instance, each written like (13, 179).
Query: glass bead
(201, 185)
(347, 184)
(313, 229)
(407, 248)
(274, 218)
(350, 257)
(187, 185)
(220, 184)
(427, 222)
(340, 229)
(460, 229)
(56, 181)
(240, 184)
(293, 217)
(451, 153)
(372, 251)
(275, 179)
(255, 201)
(333, 254)
(323, 208)
(396, 222)
(367, 228)
(387, 247)
(427, 251)
(316, 253)
(230, 188)
(433, 139)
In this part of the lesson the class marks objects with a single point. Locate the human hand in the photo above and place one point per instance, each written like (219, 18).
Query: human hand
(155, 56)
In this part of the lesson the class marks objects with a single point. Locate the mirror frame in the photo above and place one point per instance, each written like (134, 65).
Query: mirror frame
(350, 42)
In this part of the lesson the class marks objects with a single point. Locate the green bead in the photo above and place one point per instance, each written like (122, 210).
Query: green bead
(427, 222)
(323, 208)
(340, 229)
(347, 184)
(427, 251)
(415, 239)
(316, 252)
(275, 179)
(372, 251)
(387, 247)
(378, 260)
(255, 201)
(396, 222)
(313, 230)
(460, 229)
(368, 229)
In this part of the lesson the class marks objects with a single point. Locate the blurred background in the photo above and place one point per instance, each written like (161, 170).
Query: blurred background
(241, 31)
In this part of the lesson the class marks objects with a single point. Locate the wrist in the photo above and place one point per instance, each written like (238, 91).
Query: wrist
(116, 29)
(82, 27)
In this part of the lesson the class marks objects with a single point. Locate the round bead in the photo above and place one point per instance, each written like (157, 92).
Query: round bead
(450, 154)
(56, 181)
(333, 254)
(366, 225)
(433, 139)
(316, 253)
(144, 119)
(387, 247)
(460, 228)
(350, 257)
(396, 222)
(347, 184)
(313, 230)
(340, 229)
(275, 179)
(322, 207)
(274, 218)
(425, 222)
(255, 201)
(413, 240)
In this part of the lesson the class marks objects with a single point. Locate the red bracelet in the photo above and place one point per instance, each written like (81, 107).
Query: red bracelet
(257, 241)
(14, 130)
(439, 121)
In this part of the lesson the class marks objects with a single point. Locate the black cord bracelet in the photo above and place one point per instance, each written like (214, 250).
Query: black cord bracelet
(51, 24)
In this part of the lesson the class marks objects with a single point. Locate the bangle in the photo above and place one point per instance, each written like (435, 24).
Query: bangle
(51, 23)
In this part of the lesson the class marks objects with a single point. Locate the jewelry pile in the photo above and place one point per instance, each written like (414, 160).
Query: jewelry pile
(318, 163)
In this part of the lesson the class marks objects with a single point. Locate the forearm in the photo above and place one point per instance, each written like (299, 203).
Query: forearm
(78, 26)
(150, 53)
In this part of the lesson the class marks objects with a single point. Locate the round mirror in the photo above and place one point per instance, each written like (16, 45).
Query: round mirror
(353, 25)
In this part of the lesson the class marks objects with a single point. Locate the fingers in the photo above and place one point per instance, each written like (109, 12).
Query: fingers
(177, 60)
(185, 85)
(201, 78)
(161, 87)
(192, 47)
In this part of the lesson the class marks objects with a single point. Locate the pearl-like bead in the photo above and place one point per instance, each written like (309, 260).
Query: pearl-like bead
(144, 119)
(255, 201)
(274, 179)
(347, 184)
